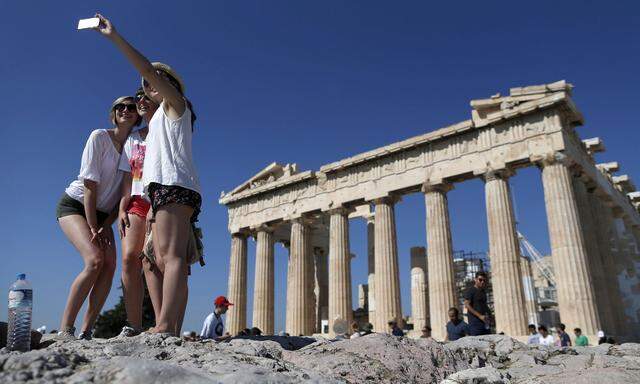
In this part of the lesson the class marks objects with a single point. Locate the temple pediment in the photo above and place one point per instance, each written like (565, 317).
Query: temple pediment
(270, 174)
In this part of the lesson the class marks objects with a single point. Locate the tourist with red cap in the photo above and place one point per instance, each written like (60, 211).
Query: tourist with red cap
(213, 327)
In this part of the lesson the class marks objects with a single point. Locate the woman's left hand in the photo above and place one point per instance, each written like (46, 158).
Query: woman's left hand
(105, 27)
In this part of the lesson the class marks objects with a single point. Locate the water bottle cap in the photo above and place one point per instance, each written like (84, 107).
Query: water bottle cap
(22, 276)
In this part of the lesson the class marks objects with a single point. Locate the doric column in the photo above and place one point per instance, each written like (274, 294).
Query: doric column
(529, 291)
(237, 292)
(263, 301)
(442, 289)
(575, 295)
(504, 253)
(339, 268)
(607, 246)
(419, 288)
(298, 295)
(387, 278)
(618, 267)
(595, 265)
(371, 261)
(321, 288)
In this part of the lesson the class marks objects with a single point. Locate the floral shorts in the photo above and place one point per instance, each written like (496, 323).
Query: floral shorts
(167, 194)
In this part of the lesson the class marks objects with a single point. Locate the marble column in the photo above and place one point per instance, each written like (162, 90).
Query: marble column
(340, 306)
(608, 249)
(504, 252)
(237, 292)
(595, 265)
(263, 292)
(530, 300)
(419, 289)
(309, 268)
(442, 289)
(298, 295)
(387, 277)
(570, 262)
(321, 288)
(371, 261)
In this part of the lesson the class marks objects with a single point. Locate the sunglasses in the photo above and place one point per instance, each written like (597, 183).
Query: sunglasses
(122, 107)
(141, 97)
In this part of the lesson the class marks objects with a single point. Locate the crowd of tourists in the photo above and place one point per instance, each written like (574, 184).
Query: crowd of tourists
(144, 179)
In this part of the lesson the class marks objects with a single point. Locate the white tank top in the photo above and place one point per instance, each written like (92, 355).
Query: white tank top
(168, 158)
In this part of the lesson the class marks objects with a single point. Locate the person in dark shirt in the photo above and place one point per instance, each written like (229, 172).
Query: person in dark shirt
(475, 301)
(456, 328)
(563, 337)
(395, 330)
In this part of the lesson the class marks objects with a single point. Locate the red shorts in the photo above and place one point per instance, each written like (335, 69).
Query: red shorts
(138, 206)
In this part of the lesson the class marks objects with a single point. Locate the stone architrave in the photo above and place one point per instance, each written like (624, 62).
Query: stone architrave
(576, 301)
(298, 295)
(387, 276)
(340, 306)
(504, 252)
(237, 291)
(263, 293)
(529, 291)
(442, 291)
(595, 265)
(419, 288)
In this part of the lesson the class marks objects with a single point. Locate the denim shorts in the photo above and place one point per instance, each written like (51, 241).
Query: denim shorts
(69, 206)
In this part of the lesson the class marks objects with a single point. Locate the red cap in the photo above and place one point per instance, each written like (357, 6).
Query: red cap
(222, 301)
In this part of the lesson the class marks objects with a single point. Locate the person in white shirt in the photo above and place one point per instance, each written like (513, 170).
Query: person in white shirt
(86, 211)
(534, 337)
(170, 178)
(213, 326)
(545, 337)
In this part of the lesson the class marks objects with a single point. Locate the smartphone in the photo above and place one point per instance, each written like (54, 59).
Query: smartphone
(88, 23)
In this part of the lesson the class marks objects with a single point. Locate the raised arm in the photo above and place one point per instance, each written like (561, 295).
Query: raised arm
(174, 101)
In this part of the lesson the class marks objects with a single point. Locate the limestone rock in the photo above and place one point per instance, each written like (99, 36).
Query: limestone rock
(376, 358)
(379, 358)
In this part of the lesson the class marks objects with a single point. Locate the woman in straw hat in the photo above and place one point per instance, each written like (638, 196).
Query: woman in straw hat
(86, 211)
(169, 177)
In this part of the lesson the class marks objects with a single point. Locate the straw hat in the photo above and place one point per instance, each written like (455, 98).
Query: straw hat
(167, 69)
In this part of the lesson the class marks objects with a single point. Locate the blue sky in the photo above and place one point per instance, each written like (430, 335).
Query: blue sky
(289, 81)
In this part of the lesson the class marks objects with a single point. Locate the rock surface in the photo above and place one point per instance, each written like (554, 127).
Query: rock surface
(375, 358)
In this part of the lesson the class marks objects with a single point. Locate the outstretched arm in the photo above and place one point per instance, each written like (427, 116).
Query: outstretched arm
(172, 97)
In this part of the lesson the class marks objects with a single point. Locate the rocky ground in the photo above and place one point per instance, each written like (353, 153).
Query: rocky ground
(375, 358)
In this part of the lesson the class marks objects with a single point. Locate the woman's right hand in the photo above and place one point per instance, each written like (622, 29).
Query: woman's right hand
(105, 28)
(123, 223)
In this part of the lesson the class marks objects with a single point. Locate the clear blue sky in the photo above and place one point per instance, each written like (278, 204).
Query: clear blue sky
(290, 81)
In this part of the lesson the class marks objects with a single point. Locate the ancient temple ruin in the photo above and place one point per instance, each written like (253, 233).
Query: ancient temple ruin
(593, 222)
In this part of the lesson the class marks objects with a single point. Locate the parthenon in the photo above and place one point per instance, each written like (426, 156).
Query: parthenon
(592, 217)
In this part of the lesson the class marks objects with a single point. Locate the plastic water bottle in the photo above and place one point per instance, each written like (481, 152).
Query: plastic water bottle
(20, 305)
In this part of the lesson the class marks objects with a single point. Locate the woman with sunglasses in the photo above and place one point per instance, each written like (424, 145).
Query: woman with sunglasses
(170, 178)
(134, 207)
(86, 211)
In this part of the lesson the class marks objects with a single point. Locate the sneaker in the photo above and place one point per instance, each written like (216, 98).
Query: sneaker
(68, 333)
(85, 335)
(129, 331)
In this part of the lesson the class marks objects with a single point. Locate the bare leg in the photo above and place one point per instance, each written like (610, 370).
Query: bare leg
(132, 282)
(154, 284)
(183, 308)
(170, 238)
(77, 231)
(101, 288)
